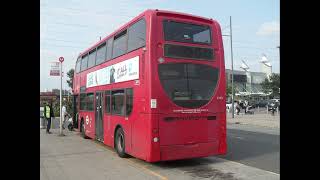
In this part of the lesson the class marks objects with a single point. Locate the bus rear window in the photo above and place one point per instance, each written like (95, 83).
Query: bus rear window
(188, 85)
(184, 32)
(188, 52)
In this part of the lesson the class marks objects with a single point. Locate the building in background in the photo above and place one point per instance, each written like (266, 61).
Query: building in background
(266, 66)
(54, 96)
(247, 85)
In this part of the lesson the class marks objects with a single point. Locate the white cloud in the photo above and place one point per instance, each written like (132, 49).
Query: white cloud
(269, 28)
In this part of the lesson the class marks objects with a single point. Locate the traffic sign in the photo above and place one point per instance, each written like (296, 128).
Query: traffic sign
(55, 71)
(61, 59)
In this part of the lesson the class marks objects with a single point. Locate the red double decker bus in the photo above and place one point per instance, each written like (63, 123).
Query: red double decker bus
(155, 88)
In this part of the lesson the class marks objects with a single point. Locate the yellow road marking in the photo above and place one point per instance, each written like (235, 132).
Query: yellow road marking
(146, 169)
(104, 146)
(134, 163)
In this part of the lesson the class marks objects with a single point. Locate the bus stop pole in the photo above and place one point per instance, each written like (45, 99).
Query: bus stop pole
(61, 99)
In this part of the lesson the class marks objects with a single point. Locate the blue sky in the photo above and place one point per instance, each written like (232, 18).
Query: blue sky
(68, 27)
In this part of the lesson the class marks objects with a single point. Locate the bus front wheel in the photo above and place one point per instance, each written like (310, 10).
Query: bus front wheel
(120, 143)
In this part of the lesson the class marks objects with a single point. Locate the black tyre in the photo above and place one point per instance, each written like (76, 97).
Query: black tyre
(70, 127)
(120, 143)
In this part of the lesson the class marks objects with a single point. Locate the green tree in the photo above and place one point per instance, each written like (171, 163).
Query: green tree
(56, 108)
(69, 107)
(229, 90)
(272, 86)
(70, 76)
(68, 103)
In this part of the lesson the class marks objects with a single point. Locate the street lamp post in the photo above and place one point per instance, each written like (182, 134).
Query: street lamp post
(279, 53)
(232, 89)
(61, 59)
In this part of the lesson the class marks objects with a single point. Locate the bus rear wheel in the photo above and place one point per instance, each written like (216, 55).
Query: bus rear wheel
(120, 143)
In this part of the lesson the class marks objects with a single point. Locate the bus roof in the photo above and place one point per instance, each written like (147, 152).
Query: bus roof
(148, 11)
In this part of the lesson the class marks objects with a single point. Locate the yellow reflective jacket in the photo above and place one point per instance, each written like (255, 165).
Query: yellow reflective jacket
(47, 111)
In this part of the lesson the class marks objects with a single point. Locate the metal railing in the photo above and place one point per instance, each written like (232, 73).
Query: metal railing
(257, 110)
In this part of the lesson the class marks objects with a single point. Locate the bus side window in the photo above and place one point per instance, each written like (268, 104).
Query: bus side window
(90, 99)
(119, 44)
(101, 53)
(84, 63)
(129, 101)
(117, 102)
(107, 101)
(83, 104)
(78, 65)
(109, 49)
(92, 58)
(137, 35)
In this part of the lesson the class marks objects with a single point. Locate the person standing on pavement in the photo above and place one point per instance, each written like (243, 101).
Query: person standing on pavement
(64, 115)
(237, 107)
(245, 106)
(48, 114)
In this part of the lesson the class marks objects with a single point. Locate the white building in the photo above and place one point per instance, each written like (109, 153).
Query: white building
(266, 66)
(247, 84)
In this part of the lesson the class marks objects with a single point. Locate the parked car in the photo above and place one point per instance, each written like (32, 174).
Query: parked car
(262, 103)
(251, 105)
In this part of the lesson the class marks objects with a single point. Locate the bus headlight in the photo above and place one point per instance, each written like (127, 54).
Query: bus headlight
(155, 139)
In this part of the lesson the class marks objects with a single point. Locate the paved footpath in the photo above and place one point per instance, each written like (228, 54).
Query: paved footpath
(72, 157)
(263, 120)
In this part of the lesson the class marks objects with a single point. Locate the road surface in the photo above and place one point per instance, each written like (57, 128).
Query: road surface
(72, 157)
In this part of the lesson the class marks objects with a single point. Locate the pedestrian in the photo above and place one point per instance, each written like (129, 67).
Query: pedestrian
(48, 114)
(245, 106)
(64, 114)
(237, 107)
(241, 104)
(273, 108)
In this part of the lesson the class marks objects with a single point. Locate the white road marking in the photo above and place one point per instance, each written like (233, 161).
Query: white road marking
(244, 166)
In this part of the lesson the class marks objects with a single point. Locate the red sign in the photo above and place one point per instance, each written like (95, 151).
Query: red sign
(61, 59)
(54, 71)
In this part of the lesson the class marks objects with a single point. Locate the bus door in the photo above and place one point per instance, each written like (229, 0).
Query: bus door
(107, 118)
(75, 111)
(99, 116)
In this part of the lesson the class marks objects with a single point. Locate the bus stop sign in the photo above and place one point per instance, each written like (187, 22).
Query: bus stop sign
(61, 59)
(54, 71)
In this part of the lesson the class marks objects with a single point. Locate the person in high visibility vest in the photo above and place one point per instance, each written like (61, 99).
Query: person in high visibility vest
(48, 113)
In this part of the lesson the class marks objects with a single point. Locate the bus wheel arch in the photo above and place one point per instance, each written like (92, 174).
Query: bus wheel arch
(119, 141)
(114, 134)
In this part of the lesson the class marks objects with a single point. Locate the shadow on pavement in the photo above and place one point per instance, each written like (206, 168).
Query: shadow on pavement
(197, 168)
